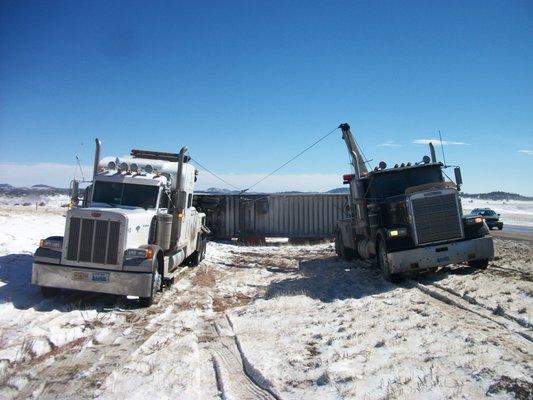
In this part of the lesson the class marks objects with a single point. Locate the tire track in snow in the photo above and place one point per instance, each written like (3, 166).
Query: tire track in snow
(495, 311)
(475, 309)
(510, 272)
(235, 377)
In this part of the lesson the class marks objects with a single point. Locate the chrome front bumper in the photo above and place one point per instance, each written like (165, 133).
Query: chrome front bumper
(97, 280)
(441, 255)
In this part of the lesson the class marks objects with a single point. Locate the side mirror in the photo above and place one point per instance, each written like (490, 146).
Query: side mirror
(458, 177)
(75, 192)
(87, 195)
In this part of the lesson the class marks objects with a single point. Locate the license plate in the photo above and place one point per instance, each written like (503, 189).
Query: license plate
(443, 259)
(101, 277)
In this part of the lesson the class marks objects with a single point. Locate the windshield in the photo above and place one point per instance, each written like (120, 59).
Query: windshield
(394, 183)
(486, 212)
(125, 194)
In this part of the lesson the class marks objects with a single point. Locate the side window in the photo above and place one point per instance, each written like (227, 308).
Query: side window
(189, 200)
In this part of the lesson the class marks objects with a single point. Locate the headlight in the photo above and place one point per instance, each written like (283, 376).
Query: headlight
(51, 244)
(393, 233)
(474, 220)
(139, 253)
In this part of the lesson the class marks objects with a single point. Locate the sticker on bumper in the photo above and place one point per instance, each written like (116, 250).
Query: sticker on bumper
(101, 277)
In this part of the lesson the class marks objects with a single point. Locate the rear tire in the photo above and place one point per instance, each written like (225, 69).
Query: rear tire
(196, 258)
(47, 292)
(480, 264)
(342, 251)
(383, 263)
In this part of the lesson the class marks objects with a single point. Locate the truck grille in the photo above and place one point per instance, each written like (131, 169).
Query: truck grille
(436, 218)
(93, 241)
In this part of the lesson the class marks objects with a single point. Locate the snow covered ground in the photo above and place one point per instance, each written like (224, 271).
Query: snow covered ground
(34, 201)
(270, 322)
(513, 212)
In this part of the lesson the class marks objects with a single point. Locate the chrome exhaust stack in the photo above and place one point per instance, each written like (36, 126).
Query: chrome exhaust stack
(432, 151)
(178, 200)
(96, 156)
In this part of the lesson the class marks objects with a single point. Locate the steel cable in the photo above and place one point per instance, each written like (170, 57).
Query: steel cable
(290, 160)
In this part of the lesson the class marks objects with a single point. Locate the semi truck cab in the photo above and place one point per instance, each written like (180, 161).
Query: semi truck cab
(136, 226)
(408, 217)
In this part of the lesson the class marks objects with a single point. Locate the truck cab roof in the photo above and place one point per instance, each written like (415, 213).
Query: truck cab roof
(397, 181)
(142, 178)
(404, 168)
(147, 171)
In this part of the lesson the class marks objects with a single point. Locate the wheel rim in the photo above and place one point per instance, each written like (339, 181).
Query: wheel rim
(157, 282)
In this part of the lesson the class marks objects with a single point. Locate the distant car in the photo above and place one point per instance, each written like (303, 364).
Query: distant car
(491, 217)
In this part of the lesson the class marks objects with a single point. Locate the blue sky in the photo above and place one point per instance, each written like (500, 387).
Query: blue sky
(246, 85)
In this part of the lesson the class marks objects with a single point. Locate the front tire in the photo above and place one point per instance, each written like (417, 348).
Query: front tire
(157, 285)
(383, 263)
(48, 292)
(479, 264)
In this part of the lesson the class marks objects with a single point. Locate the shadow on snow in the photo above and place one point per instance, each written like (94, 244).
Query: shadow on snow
(330, 279)
(15, 278)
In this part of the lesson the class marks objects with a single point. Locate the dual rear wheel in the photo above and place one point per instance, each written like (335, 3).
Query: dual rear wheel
(197, 257)
(342, 251)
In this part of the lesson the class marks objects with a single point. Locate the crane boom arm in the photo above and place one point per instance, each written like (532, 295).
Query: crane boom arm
(355, 153)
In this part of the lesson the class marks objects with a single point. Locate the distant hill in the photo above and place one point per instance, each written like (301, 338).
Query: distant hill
(41, 190)
(498, 195)
(41, 186)
(215, 190)
(219, 190)
(339, 190)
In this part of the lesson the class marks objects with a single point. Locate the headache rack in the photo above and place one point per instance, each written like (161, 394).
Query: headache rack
(157, 155)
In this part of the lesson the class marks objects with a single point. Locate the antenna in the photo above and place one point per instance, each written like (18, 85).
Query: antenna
(81, 170)
(442, 148)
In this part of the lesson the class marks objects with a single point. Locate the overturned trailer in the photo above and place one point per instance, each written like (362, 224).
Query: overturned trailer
(306, 216)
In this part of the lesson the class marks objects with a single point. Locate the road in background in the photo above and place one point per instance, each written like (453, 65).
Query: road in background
(514, 232)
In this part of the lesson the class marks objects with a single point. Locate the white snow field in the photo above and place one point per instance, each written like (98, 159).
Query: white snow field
(34, 201)
(513, 212)
(270, 322)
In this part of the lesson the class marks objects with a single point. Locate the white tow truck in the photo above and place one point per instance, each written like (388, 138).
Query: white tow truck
(136, 227)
